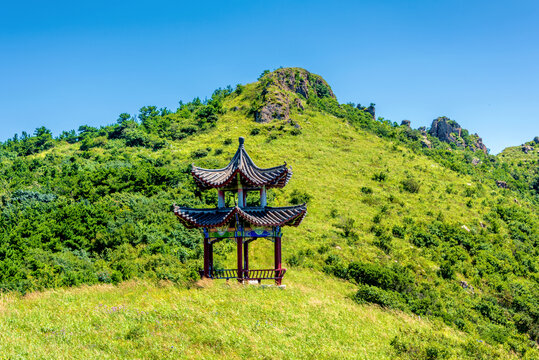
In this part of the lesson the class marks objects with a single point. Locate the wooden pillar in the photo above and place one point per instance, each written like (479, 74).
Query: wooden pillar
(246, 256)
(241, 197)
(239, 244)
(263, 197)
(220, 198)
(206, 258)
(211, 259)
(277, 258)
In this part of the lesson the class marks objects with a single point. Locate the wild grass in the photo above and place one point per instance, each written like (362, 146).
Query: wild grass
(313, 318)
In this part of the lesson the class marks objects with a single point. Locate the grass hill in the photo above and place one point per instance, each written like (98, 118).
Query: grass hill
(314, 318)
(395, 231)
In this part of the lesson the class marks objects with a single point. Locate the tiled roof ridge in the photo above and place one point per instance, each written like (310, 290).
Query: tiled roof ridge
(277, 176)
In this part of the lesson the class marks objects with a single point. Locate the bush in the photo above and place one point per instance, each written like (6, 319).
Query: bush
(388, 278)
(347, 225)
(200, 153)
(372, 294)
(365, 190)
(299, 197)
(411, 185)
(381, 176)
(423, 239)
(383, 242)
(295, 132)
(398, 231)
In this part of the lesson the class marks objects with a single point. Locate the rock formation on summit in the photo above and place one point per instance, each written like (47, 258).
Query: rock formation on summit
(450, 131)
(285, 89)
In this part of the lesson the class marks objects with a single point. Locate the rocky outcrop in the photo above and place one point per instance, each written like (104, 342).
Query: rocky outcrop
(283, 90)
(450, 131)
(446, 130)
(527, 148)
(502, 184)
(406, 123)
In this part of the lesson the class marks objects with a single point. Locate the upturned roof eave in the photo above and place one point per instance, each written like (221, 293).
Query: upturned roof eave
(245, 214)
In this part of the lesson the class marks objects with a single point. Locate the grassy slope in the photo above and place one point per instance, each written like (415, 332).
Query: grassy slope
(313, 318)
(331, 162)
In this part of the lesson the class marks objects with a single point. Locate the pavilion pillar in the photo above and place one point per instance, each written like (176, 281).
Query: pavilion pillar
(210, 259)
(220, 198)
(206, 257)
(239, 244)
(263, 198)
(278, 259)
(246, 257)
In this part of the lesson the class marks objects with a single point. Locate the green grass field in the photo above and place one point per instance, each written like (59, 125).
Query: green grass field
(313, 318)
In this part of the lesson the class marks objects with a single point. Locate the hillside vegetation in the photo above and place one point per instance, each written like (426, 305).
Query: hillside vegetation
(420, 231)
(314, 318)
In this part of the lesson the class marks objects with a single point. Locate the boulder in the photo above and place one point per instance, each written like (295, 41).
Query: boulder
(527, 148)
(502, 184)
(475, 161)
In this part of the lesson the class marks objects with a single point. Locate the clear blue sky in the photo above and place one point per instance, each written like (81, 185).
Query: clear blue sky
(68, 63)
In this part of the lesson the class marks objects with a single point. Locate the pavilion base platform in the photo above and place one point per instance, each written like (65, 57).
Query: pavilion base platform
(247, 276)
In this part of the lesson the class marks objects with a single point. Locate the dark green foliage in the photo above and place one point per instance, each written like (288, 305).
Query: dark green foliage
(299, 197)
(393, 278)
(200, 153)
(411, 185)
(375, 295)
(398, 231)
(295, 132)
(264, 73)
(383, 241)
(347, 225)
(380, 176)
(366, 190)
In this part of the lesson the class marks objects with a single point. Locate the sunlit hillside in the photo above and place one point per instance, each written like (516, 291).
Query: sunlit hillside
(407, 251)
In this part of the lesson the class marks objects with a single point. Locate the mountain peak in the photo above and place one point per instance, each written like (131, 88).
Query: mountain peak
(286, 89)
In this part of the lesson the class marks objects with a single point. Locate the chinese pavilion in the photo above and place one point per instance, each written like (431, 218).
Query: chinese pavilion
(241, 222)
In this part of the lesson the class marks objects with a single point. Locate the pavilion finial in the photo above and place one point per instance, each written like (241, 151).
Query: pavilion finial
(241, 140)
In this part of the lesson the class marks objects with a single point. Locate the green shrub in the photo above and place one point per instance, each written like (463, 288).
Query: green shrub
(200, 153)
(375, 295)
(366, 190)
(411, 185)
(381, 176)
(299, 197)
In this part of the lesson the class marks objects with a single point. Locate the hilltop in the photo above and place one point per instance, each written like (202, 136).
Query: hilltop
(418, 230)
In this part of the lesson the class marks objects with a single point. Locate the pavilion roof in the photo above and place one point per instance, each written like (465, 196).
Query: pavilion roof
(242, 164)
(257, 216)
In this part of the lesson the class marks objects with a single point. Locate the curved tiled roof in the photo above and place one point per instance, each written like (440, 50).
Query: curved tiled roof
(267, 216)
(242, 164)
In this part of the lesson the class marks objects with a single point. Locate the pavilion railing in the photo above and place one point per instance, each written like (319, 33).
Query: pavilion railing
(254, 274)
